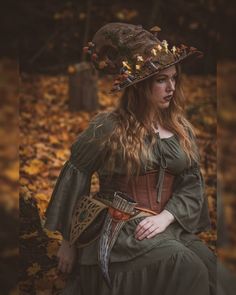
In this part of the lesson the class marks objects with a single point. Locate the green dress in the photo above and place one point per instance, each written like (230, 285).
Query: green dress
(175, 261)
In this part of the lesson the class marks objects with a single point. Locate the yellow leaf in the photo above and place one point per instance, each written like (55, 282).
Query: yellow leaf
(32, 187)
(71, 70)
(24, 181)
(48, 96)
(62, 154)
(53, 234)
(41, 197)
(41, 109)
(52, 248)
(31, 170)
(64, 136)
(30, 235)
(53, 139)
(35, 268)
(34, 167)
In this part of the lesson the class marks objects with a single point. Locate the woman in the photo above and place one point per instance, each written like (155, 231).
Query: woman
(151, 187)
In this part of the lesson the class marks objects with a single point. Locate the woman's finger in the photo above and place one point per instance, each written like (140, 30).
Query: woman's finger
(66, 267)
(144, 221)
(155, 232)
(142, 229)
(59, 265)
(69, 269)
(62, 265)
(147, 232)
(141, 226)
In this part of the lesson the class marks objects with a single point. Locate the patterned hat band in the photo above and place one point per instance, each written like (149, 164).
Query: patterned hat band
(132, 53)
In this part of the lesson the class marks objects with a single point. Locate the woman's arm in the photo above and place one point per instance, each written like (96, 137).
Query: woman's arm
(188, 203)
(188, 206)
(66, 257)
(73, 183)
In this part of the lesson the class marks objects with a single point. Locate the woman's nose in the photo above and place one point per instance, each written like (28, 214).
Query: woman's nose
(171, 85)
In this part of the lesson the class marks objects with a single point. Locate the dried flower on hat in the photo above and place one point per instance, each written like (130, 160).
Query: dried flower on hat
(85, 49)
(91, 44)
(154, 51)
(94, 56)
(155, 30)
(159, 47)
(139, 58)
(165, 45)
(125, 64)
(173, 49)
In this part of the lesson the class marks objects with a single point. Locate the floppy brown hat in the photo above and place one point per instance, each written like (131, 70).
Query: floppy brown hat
(133, 53)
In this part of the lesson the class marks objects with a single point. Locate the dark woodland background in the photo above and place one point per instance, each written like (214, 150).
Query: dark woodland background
(40, 52)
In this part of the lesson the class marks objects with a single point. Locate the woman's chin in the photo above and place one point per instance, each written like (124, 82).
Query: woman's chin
(164, 105)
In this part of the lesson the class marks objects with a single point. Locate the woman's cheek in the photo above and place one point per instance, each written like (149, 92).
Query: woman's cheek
(159, 88)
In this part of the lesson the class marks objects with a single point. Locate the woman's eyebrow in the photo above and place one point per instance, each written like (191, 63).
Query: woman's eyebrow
(166, 76)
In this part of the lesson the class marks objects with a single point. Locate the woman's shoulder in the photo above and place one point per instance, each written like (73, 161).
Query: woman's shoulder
(104, 117)
(103, 122)
(91, 140)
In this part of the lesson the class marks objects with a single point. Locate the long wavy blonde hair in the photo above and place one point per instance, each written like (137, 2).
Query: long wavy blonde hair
(134, 124)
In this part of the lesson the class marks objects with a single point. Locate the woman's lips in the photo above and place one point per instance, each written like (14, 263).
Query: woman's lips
(168, 97)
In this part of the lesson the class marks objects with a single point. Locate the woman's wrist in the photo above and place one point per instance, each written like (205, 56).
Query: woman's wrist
(170, 217)
(67, 244)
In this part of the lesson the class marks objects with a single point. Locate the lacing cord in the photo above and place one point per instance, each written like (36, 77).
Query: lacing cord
(163, 166)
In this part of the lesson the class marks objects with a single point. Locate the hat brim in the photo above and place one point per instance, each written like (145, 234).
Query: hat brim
(193, 54)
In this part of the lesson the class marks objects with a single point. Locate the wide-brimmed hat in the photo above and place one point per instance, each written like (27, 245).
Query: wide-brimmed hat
(133, 53)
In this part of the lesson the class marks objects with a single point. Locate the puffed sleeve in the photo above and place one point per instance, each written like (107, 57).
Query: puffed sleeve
(87, 154)
(188, 203)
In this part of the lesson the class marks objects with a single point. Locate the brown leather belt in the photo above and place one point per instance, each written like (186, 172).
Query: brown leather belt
(142, 189)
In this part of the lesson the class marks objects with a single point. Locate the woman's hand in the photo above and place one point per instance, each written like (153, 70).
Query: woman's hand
(153, 225)
(66, 257)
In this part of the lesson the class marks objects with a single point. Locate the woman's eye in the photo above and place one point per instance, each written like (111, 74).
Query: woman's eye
(160, 80)
(174, 78)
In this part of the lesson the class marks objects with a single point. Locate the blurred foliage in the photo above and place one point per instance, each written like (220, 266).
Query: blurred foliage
(9, 176)
(226, 162)
(53, 32)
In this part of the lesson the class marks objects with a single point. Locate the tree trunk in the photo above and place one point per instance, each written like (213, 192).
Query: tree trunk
(83, 89)
(155, 17)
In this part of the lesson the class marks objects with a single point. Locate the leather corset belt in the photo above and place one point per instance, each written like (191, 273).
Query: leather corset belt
(142, 189)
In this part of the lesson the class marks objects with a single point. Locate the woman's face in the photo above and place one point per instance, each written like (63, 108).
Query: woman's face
(163, 87)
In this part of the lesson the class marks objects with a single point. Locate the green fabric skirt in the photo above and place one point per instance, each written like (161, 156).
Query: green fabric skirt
(175, 266)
